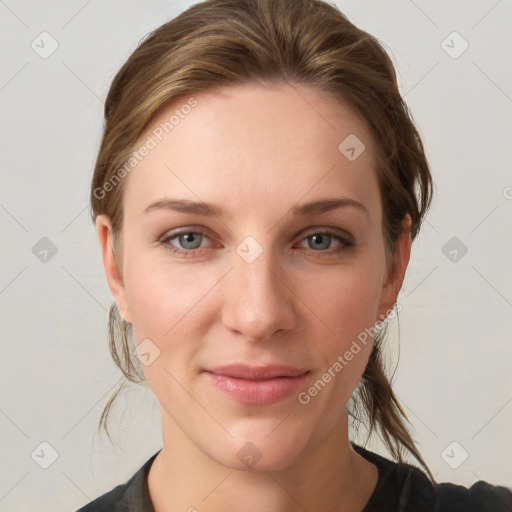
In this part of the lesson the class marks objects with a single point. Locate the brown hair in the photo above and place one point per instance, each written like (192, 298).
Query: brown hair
(307, 42)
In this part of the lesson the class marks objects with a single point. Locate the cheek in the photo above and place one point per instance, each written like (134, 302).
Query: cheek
(348, 301)
(164, 303)
(160, 295)
(348, 312)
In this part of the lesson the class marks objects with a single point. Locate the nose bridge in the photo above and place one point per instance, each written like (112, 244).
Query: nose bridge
(257, 302)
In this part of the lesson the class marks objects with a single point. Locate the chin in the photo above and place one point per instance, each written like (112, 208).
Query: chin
(260, 452)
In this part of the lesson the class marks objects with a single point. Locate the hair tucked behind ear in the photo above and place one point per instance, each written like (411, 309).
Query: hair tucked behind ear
(271, 42)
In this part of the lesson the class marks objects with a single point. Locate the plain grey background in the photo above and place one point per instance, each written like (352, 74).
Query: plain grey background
(453, 376)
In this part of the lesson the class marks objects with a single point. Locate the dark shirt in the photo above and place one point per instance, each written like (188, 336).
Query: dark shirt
(400, 487)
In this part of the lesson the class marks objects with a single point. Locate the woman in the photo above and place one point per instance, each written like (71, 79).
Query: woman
(256, 194)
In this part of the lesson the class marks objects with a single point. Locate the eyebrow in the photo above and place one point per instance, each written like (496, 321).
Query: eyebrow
(210, 210)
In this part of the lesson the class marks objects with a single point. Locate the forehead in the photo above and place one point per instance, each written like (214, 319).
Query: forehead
(252, 146)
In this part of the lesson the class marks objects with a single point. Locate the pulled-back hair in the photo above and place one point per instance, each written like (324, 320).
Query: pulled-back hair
(307, 42)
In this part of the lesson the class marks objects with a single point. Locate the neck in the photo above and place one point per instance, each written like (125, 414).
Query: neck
(329, 477)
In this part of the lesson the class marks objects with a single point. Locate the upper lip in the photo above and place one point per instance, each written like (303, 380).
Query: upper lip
(243, 371)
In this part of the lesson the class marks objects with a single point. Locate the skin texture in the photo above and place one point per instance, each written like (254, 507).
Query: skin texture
(257, 152)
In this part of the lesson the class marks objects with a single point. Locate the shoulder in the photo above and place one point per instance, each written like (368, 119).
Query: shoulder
(108, 502)
(132, 496)
(480, 497)
(403, 487)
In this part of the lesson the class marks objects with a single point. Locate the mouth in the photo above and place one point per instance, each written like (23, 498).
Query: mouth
(251, 385)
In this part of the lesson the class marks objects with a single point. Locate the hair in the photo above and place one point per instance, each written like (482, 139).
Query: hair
(219, 43)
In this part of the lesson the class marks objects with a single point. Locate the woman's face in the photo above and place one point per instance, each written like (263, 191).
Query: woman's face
(259, 282)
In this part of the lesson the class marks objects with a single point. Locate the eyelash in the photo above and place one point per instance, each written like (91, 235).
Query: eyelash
(165, 241)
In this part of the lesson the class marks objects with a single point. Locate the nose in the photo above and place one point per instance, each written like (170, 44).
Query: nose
(258, 300)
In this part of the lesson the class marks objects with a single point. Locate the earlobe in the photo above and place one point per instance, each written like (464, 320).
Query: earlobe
(395, 278)
(112, 265)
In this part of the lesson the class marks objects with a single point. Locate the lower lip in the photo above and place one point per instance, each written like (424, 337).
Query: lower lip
(252, 392)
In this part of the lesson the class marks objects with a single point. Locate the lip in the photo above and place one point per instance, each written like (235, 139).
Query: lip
(257, 385)
(245, 371)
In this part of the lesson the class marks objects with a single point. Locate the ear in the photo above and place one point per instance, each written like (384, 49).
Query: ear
(113, 268)
(396, 274)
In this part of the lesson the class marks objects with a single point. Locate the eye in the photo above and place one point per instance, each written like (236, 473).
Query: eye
(190, 241)
(187, 243)
(322, 240)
